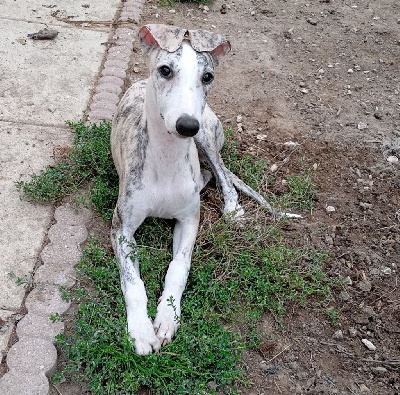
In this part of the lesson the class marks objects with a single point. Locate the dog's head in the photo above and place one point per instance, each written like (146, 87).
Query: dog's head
(182, 66)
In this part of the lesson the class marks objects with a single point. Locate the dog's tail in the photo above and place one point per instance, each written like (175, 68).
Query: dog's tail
(239, 184)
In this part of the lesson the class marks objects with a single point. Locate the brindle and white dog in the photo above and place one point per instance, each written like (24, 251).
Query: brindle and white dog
(160, 129)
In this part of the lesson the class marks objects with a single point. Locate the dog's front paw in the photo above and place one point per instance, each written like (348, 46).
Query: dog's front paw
(166, 322)
(142, 331)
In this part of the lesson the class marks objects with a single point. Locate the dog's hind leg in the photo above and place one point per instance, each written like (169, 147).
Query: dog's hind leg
(140, 326)
(167, 319)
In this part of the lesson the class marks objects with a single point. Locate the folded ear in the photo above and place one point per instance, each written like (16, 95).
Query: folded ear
(147, 41)
(219, 52)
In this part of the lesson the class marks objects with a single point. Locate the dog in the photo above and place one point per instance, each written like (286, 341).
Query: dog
(161, 128)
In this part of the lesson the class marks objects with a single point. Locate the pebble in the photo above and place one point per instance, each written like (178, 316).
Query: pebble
(386, 270)
(312, 21)
(172, 11)
(274, 167)
(338, 335)
(239, 119)
(365, 205)
(365, 286)
(380, 370)
(261, 137)
(363, 388)
(330, 209)
(350, 71)
(353, 332)
(345, 296)
(362, 126)
(291, 144)
(304, 90)
(347, 280)
(368, 344)
(392, 159)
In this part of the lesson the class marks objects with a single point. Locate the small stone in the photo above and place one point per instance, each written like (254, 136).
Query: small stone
(304, 90)
(368, 344)
(380, 370)
(353, 332)
(365, 286)
(363, 388)
(361, 126)
(172, 11)
(350, 71)
(338, 335)
(252, 13)
(261, 137)
(378, 115)
(274, 167)
(312, 21)
(330, 209)
(239, 119)
(392, 159)
(387, 271)
(136, 69)
(365, 205)
(347, 280)
(291, 144)
(345, 296)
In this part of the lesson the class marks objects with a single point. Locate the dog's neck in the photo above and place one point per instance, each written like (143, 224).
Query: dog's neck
(162, 142)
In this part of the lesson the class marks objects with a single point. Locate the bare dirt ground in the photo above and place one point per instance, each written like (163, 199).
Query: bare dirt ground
(323, 74)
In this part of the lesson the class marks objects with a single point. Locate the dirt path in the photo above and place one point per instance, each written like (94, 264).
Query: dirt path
(323, 74)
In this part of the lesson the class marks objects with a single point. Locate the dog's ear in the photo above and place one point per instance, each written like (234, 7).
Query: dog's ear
(147, 41)
(219, 52)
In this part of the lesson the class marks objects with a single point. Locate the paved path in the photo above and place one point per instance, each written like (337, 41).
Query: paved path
(43, 83)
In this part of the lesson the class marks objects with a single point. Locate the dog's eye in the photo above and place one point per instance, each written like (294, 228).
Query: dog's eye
(207, 78)
(165, 71)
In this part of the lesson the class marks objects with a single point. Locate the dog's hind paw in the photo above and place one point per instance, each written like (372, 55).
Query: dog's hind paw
(142, 332)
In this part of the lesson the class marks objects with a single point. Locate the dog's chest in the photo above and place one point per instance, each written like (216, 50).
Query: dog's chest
(172, 187)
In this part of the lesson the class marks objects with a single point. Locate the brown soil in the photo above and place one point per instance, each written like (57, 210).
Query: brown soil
(323, 74)
(288, 76)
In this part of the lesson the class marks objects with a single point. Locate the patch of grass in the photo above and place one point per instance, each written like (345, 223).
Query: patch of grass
(236, 275)
(201, 359)
(90, 161)
(246, 167)
(301, 189)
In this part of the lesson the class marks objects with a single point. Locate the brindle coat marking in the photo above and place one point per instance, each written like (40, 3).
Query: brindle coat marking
(157, 159)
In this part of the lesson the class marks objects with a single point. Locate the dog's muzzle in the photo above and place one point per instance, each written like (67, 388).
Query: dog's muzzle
(187, 126)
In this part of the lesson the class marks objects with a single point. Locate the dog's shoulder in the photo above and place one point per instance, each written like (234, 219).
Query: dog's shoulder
(128, 135)
(132, 103)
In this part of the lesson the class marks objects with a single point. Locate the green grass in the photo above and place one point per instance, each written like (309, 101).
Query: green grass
(237, 274)
(90, 161)
(227, 284)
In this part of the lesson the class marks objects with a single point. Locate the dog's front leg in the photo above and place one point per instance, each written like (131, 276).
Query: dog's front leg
(213, 158)
(167, 319)
(140, 326)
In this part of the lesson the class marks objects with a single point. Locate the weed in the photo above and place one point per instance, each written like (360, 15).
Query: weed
(301, 190)
(90, 160)
(246, 167)
(333, 315)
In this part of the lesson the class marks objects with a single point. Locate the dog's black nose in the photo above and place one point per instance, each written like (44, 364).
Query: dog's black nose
(187, 126)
